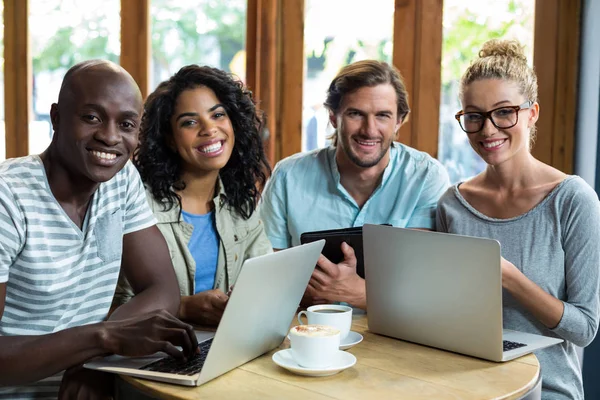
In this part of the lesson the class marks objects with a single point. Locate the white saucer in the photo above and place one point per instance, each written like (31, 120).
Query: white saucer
(352, 339)
(343, 360)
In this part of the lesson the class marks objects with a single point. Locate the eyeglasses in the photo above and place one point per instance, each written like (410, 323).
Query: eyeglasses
(502, 118)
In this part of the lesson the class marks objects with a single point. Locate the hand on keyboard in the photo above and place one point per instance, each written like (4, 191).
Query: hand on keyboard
(174, 366)
(150, 333)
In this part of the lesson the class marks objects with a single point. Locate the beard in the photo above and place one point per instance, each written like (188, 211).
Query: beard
(364, 162)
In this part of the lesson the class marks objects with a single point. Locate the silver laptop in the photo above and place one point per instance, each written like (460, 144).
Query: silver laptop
(440, 290)
(256, 320)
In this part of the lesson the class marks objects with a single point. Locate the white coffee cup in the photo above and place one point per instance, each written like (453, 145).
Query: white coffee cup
(334, 315)
(314, 346)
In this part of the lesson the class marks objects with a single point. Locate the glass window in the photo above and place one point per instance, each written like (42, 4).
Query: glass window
(467, 25)
(337, 33)
(63, 33)
(204, 32)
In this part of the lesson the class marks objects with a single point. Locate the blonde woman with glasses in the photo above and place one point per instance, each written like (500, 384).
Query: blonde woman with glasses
(547, 222)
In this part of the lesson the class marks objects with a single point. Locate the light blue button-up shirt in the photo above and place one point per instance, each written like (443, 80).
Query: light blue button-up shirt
(304, 194)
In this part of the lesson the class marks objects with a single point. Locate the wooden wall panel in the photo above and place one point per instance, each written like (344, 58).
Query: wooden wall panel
(428, 76)
(268, 70)
(566, 85)
(418, 56)
(17, 77)
(556, 62)
(135, 41)
(252, 39)
(544, 61)
(261, 64)
(405, 12)
(291, 69)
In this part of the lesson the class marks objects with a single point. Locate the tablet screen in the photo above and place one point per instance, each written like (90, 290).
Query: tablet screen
(333, 242)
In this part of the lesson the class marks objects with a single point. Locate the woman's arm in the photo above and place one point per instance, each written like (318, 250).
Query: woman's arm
(576, 318)
(544, 307)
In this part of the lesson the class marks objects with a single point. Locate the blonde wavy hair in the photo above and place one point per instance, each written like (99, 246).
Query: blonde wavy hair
(505, 60)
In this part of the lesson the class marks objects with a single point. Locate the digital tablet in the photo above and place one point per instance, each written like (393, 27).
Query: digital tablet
(333, 242)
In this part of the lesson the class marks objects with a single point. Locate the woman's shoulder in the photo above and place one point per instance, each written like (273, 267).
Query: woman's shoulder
(575, 190)
(448, 196)
(463, 190)
(460, 200)
(161, 209)
(154, 203)
(474, 186)
(451, 202)
(575, 184)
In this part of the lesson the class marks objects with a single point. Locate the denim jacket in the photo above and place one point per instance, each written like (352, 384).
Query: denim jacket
(239, 240)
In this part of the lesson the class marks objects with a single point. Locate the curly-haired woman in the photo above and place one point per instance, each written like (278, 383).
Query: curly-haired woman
(201, 159)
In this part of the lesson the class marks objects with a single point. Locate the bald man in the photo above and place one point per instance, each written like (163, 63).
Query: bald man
(71, 219)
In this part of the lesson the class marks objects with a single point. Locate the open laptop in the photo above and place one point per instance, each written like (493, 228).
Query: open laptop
(257, 319)
(440, 290)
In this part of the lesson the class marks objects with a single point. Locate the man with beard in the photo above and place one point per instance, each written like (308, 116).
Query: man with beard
(363, 177)
(71, 219)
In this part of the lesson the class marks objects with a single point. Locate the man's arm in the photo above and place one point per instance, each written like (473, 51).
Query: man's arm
(147, 266)
(273, 210)
(25, 359)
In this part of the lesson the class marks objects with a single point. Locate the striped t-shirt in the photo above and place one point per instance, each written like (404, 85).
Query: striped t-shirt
(57, 275)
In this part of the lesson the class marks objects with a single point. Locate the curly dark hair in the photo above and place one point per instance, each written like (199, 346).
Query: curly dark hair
(161, 167)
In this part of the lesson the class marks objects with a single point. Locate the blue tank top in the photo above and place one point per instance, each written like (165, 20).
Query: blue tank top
(204, 246)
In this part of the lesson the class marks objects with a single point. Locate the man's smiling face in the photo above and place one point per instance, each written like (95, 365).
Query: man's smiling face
(366, 124)
(96, 122)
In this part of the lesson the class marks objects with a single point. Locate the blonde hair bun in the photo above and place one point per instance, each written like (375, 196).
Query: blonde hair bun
(503, 48)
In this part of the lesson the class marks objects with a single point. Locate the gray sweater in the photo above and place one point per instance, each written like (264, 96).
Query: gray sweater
(556, 245)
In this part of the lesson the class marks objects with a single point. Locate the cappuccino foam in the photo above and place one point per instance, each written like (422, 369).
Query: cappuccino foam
(314, 330)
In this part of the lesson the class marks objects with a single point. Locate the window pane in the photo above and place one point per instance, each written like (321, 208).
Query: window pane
(337, 33)
(63, 33)
(2, 129)
(204, 32)
(467, 25)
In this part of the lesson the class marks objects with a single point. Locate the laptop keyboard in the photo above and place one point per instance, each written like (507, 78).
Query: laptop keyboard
(508, 345)
(173, 366)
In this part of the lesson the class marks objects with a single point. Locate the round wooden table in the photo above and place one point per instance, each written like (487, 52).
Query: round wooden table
(385, 368)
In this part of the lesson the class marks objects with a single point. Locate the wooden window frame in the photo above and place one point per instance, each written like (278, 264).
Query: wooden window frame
(136, 48)
(275, 70)
(291, 69)
(261, 64)
(556, 62)
(418, 57)
(417, 54)
(18, 77)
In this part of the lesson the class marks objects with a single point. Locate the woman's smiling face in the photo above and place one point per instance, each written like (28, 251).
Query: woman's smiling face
(202, 131)
(497, 145)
